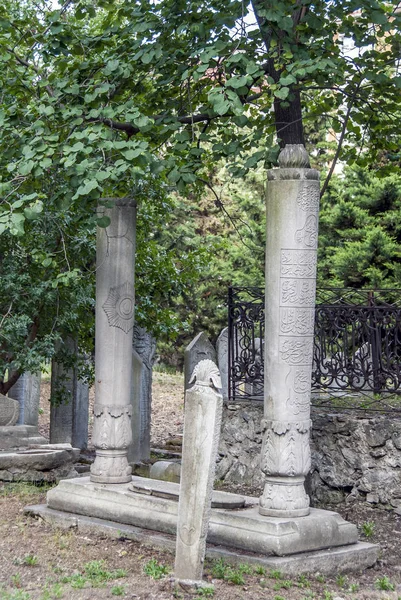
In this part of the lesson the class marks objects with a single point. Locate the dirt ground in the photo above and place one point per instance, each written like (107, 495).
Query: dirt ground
(39, 562)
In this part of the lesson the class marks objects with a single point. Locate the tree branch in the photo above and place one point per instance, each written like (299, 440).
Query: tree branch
(341, 140)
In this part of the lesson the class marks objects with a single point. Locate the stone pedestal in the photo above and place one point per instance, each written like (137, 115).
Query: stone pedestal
(115, 303)
(291, 254)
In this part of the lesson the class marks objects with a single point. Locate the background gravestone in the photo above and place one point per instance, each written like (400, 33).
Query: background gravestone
(69, 411)
(27, 391)
(199, 349)
(222, 361)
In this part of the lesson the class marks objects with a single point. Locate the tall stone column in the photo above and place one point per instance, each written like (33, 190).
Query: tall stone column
(291, 254)
(115, 304)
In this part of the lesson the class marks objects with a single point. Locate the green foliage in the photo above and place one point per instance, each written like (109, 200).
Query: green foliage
(155, 569)
(368, 529)
(147, 100)
(30, 560)
(384, 583)
(360, 231)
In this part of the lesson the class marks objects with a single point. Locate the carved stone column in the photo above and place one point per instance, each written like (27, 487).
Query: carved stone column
(291, 253)
(115, 304)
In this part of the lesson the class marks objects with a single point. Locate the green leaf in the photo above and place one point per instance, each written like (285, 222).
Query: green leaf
(103, 222)
(282, 93)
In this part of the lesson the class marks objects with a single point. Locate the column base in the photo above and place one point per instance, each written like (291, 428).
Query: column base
(111, 466)
(284, 497)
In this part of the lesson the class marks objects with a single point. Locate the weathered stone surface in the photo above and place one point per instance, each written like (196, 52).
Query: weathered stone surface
(353, 558)
(40, 463)
(20, 436)
(199, 349)
(143, 356)
(27, 392)
(9, 411)
(292, 214)
(202, 422)
(244, 529)
(115, 311)
(69, 411)
(222, 361)
(166, 470)
(345, 464)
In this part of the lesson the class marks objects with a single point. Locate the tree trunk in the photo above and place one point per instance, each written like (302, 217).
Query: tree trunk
(288, 114)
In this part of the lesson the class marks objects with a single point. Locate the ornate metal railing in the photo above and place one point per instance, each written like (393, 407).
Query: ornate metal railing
(357, 347)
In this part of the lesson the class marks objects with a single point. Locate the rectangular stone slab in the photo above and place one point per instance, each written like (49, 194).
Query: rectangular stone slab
(343, 559)
(244, 528)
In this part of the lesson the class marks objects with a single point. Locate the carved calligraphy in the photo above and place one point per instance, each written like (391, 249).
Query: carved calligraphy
(298, 263)
(308, 234)
(296, 350)
(297, 292)
(297, 321)
(308, 197)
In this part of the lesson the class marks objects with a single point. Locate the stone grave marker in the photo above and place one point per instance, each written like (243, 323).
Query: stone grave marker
(69, 411)
(202, 422)
(222, 361)
(27, 391)
(199, 349)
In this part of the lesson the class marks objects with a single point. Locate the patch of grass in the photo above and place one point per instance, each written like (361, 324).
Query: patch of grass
(234, 576)
(259, 570)
(279, 598)
(14, 595)
(219, 569)
(303, 581)
(155, 569)
(30, 560)
(118, 590)
(327, 595)
(285, 584)
(53, 593)
(205, 592)
(354, 587)
(341, 581)
(368, 529)
(275, 574)
(16, 580)
(246, 569)
(384, 583)
(320, 578)
(23, 489)
(95, 572)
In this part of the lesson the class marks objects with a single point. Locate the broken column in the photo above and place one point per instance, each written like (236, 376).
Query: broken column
(202, 422)
(115, 304)
(291, 255)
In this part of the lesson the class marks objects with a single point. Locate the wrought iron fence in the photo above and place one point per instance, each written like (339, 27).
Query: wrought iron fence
(357, 347)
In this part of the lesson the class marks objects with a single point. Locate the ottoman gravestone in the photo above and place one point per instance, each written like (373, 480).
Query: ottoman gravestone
(202, 424)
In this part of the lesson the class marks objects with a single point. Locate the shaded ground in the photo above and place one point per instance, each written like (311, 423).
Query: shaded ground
(38, 562)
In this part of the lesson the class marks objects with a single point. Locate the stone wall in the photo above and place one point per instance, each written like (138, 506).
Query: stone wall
(352, 456)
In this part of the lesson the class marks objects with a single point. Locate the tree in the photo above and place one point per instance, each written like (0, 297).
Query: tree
(360, 231)
(105, 98)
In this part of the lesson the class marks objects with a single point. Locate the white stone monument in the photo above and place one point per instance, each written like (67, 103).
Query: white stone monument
(115, 307)
(293, 193)
(202, 423)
